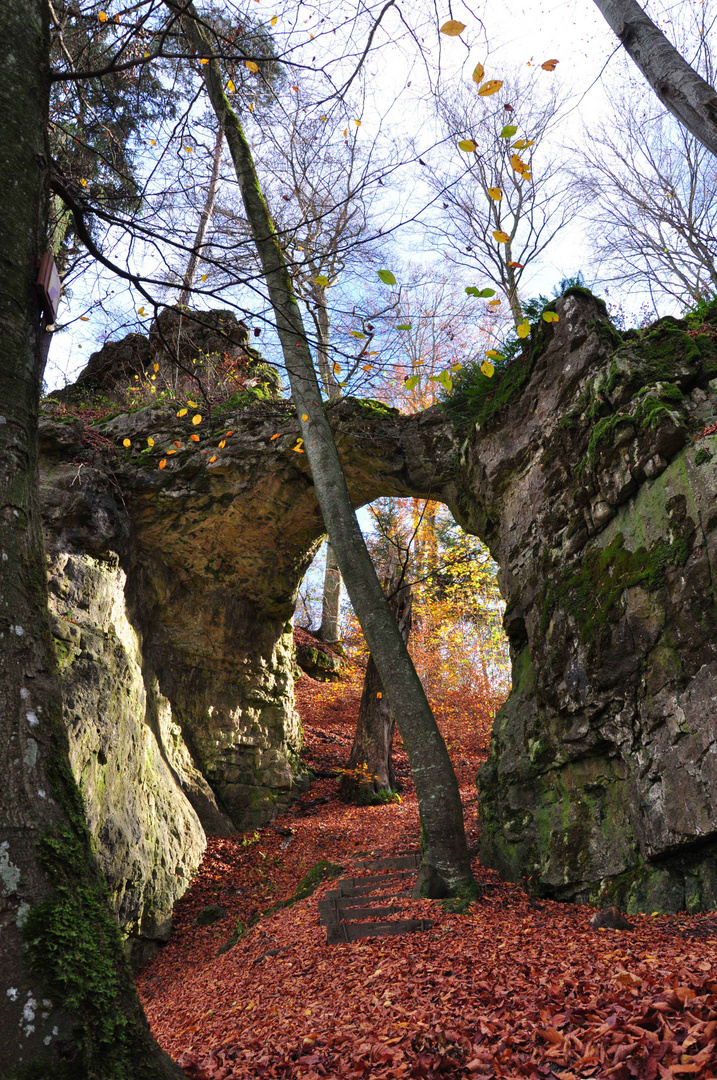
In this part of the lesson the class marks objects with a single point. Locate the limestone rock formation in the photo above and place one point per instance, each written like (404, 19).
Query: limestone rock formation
(175, 565)
(601, 511)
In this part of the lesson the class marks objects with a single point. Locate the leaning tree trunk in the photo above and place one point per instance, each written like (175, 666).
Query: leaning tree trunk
(369, 775)
(446, 862)
(68, 1006)
(678, 86)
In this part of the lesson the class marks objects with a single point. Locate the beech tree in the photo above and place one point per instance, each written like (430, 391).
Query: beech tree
(679, 87)
(68, 1007)
(446, 863)
(322, 193)
(502, 192)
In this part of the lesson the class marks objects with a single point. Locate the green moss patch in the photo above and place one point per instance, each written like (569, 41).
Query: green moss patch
(591, 593)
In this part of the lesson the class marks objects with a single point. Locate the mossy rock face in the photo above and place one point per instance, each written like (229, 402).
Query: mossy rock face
(602, 774)
(581, 475)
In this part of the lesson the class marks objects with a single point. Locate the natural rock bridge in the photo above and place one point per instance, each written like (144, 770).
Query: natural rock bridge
(173, 592)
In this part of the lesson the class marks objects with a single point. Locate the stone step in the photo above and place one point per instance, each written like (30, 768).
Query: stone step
(343, 932)
(329, 915)
(356, 886)
(393, 862)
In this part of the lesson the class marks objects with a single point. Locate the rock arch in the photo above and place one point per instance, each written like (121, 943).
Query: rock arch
(600, 511)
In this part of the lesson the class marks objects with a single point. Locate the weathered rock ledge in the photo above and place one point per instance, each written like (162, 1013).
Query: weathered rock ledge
(174, 590)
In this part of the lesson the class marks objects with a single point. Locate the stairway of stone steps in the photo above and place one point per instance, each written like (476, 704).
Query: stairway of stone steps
(374, 896)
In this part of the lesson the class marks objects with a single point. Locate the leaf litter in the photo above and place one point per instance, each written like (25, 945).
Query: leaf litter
(513, 988)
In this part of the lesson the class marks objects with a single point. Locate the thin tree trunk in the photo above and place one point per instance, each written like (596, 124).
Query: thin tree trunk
(67, 1000)
(331, 601)
(204, 219)
(446, 863)
(369, 772)
(678, 86)
(331, 598)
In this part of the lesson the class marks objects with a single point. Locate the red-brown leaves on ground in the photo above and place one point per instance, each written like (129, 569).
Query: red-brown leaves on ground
(515, 988)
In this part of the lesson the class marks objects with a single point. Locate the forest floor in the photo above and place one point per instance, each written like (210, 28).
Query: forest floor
(512, 988)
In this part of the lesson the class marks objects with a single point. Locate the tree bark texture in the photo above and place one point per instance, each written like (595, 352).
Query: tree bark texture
(678, 86)
(331, 600)
(370, 772)
(446, 859)
(68, 1007)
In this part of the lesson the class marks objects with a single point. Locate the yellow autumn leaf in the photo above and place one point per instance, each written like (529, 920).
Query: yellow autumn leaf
(140, 311)
(191, 404)
(357, 123)
(379, 695)
(171, 452)
(203, 61)
(297, 449)
(453, 28)
(152, 142)
(490, 87)
(487, 369)
(277, 436)
(197, 419)
(252, 66)
(523, 329)
(231, 87)
(84, 183)
(212, 459)
(150, 442)
(493, 303)
(204, 277)
(492, 352)
(304, 416)
(337, 368)
(495, 193)
(127, 443)
(182, 412)
(102, 16)
(222, 444)
(523, 144)
(478, 73)
(194, 438)
(467, 145)
(500, 236)
(163, 463)
(551, 316)
(156, 367)
(273, 20)
(517, 164)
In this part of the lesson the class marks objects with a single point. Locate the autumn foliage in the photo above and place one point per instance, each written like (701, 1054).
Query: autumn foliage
(512, 988)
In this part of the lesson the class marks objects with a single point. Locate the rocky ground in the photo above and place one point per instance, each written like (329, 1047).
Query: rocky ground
(513, 987)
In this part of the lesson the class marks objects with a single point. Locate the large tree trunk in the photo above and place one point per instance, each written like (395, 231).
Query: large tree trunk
(369, 775)
(445, 851)
(68, 1006)
(678, 86)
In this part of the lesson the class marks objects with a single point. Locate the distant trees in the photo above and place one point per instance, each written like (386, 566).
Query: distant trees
(650, 187)
(505, 194)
